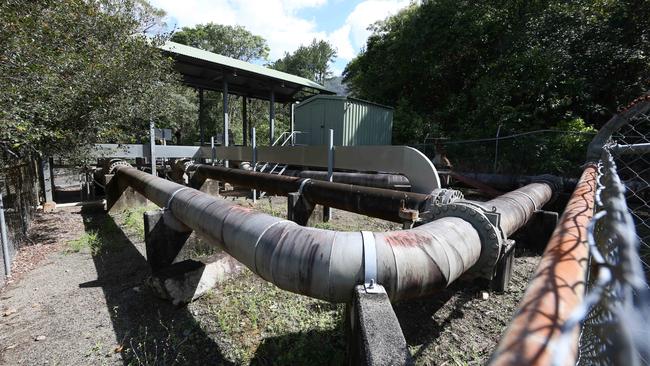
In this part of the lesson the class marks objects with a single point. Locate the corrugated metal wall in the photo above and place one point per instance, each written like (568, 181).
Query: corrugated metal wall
(366, 124)
(355, 122)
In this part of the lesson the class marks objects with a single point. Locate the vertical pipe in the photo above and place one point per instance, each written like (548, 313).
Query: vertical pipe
(254, 162)
(201, 108)
(152, 146)
(5, 239)
(293, 137)
(272, 118)
(226, 126)
(244, 117)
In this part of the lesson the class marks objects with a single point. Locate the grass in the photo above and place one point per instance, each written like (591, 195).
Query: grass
(132, 220)
(261, 323)
(88, 240)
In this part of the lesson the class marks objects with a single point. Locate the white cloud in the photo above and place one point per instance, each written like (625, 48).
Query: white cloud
(279, 23)
(352, 36)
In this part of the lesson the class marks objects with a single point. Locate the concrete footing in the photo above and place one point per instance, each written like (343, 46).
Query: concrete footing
(375, 337)
(299, 209)
(120, 197)
(186, 281)
(162, 243)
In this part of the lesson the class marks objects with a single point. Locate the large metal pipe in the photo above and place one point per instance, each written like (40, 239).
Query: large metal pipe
(557, 287)
(518, 206)
(375, 202)
(323, 264)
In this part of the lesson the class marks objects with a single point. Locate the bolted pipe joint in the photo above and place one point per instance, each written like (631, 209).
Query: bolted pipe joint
(486, 222)
(181, 170)
(497, 219)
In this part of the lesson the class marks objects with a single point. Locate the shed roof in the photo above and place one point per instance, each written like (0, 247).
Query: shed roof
(203, 69)
(341, 98)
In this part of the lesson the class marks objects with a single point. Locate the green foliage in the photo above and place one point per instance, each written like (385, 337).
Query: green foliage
(231, 41)
(311, 62)
(76, 72)
(89, 240)
(459, 69)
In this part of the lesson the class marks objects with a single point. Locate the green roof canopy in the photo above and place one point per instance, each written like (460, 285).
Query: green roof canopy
(206, 70)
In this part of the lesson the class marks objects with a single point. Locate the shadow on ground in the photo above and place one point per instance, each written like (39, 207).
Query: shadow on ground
(315, 347)
(151, 331)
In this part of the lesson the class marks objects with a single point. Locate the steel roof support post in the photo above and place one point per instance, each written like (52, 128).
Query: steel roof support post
(244, 117)
(201, 122)
(272, 117)
(292, 117)
(225, 116)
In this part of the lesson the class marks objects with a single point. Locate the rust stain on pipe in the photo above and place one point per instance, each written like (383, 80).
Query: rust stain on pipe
(556, 289)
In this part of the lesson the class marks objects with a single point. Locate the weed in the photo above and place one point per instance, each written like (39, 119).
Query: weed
(89, 240)
(263, 323)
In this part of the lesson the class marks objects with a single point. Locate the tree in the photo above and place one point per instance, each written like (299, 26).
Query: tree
(467, 67)
(77, 72)
(311, 62)
(235, 42)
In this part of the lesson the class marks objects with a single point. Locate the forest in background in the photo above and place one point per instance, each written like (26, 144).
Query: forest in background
(76, 72)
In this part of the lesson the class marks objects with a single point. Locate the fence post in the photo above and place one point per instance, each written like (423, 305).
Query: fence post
(254, 162)
(327, 211)
(5, 240)
(152, 145)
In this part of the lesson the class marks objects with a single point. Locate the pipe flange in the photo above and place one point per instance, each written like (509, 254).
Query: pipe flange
(114, 163)
(486, 224)
(443, 196)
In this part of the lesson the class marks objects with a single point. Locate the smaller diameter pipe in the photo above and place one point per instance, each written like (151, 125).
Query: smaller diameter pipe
(557, 287)
(375, 202)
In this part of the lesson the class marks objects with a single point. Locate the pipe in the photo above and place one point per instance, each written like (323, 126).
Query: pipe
(379, 180)
(323, 264)
(375, 202)
(506, 182)
(556, 289)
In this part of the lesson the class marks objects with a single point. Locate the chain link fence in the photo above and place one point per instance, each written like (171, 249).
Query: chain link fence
(557, 152)
(614, 318)
(19, 187)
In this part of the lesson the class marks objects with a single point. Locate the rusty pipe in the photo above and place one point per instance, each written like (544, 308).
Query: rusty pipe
(323, 264)
(381, 203)
(557, 287)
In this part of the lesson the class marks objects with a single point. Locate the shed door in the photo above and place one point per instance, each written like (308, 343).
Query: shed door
(317, 124)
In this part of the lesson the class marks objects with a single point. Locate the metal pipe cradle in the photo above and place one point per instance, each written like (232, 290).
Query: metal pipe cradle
(327, 264)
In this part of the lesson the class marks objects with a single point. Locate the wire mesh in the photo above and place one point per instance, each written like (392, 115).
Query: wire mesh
(614, 319)
(19, 186)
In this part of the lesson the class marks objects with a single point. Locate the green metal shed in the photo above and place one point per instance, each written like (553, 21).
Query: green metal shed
(354, 121)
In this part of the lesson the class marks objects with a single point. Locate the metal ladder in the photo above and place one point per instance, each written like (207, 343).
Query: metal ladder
(277, 168)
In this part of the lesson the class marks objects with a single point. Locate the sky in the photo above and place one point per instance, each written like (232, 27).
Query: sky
(287, 24)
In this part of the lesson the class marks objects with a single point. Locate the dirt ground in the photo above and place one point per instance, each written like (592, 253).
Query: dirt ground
(78, 299)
